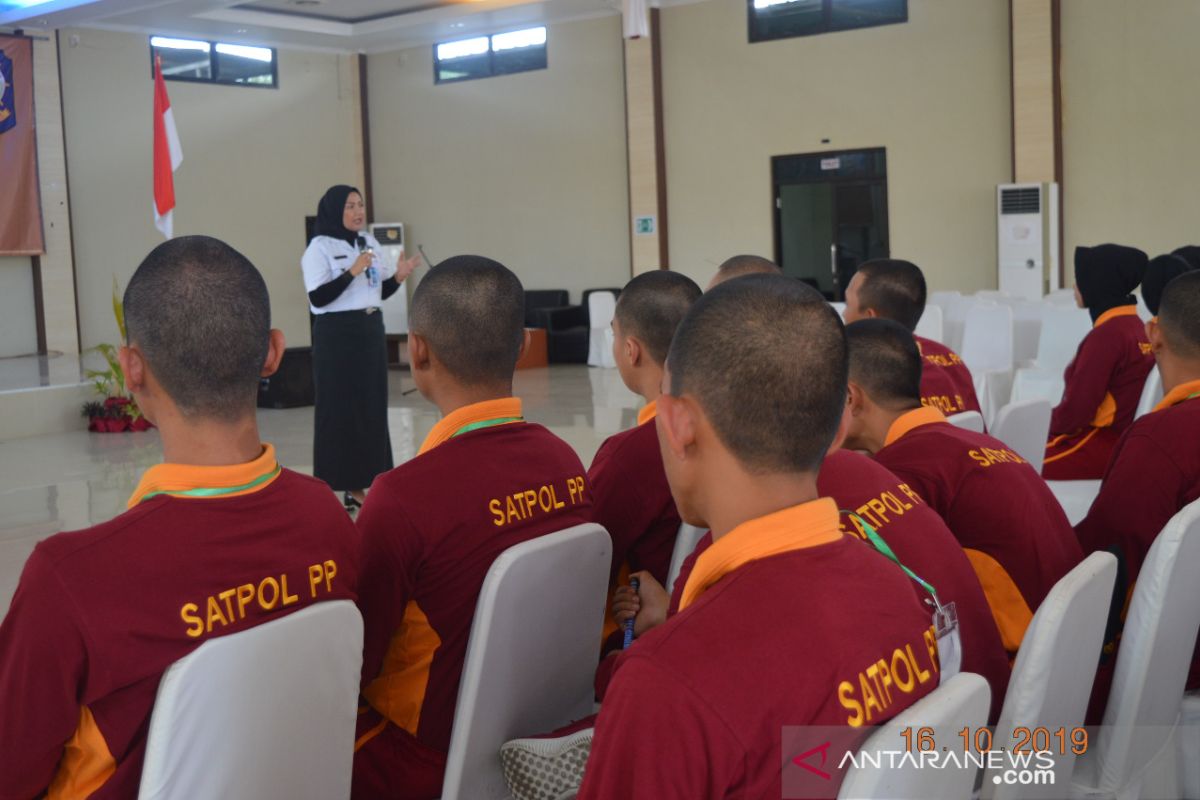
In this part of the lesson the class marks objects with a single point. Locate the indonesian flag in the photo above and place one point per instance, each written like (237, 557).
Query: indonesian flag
(168, 155)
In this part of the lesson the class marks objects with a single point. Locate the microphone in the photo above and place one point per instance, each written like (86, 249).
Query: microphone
(421, 250)
(372, 272)
(362, 244)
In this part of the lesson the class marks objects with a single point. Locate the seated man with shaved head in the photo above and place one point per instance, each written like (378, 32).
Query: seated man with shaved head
(893, 289)
(783, 614)
(432, 527)
(737, 266)
(218, 539)
(1001, 511)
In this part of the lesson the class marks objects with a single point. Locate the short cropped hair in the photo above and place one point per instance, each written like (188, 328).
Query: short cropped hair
(737, 266)
(765, 357)
(1179, 314)
(199, 312)
(652, 305)
(894, 288)
(885, 361)
(471, 311)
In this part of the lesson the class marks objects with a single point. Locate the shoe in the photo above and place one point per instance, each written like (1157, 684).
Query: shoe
(546, 769)
(351, 503)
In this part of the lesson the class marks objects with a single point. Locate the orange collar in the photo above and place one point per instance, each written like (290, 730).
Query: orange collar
(1177, 395)
(795, 528)
(187, 480)
(1112, 313)
(488, 410)
(905, 423)
(648, 412)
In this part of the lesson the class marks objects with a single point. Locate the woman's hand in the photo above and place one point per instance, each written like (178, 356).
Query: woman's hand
(405, 267)
(364, 260)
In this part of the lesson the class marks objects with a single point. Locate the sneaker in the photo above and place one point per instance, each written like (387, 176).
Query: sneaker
(547, 768)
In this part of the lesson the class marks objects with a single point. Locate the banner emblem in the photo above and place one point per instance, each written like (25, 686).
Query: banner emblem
(8, 113)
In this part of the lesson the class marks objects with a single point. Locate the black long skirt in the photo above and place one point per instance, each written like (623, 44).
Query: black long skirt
(351, 444)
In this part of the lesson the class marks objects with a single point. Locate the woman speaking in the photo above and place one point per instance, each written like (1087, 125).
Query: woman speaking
(346, 282)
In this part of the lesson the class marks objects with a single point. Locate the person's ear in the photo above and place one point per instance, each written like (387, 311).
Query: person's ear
(839, 438)
(275, 347)
(418, 352)
(856, 401)
(133, 365)
(525, 340)
(676, 418)
(869, 313)
(634, 351)
(1155, 335)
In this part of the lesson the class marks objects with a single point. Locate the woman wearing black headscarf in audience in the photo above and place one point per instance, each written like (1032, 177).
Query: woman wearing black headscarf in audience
(347, 281)
(1104, 381)
(1159, 272)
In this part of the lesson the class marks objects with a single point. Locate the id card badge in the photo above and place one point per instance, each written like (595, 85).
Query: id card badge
(945, 626)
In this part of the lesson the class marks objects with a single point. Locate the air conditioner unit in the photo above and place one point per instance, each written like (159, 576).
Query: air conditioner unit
(1027, 238)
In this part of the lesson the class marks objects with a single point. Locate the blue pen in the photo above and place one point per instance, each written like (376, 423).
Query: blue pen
(633, 582)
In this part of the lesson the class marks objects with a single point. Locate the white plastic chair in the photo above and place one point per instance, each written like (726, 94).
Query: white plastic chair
(1061, 297)
(840, 308)
(601, 308)
(988, 339)
(530, 662)
(961, 702)
(1034, 383)
(1152, 393)
(685, 542)
(1027, 328)
(931, 324)
(942, 299)
(1063, 328)
(1134, 753)
(1023, 427)
(1075, 497)
(954, 320)
(268, 712)
(968, 420)
(1052, 680)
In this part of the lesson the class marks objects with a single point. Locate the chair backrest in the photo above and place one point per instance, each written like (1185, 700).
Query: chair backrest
(954, 319)
(1024, 427)
(1027, 327)
(1061, 297)
(961, 702)
(1152, 393)
(601, 308)
(1063, 328)
(1075, 497)
(530, 662)
(931, 324)
(942, 299)
(267, 712)
(1154, 655)
(988, 338)
(1052, 680)
(685, 542)
(1032, 383)
(968, 420)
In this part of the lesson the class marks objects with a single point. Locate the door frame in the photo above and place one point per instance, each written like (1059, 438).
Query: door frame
(831, 177)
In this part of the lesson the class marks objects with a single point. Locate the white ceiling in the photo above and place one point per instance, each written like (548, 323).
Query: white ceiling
(340, 25)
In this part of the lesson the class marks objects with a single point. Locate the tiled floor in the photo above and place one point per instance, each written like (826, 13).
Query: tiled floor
(71, 480)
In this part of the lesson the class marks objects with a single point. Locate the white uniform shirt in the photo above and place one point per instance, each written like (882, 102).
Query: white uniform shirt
(327, 257)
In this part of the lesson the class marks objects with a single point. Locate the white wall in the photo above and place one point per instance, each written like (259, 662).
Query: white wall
(18, 322)
(256, 161)
(528, 169)
(1131, 117)
(934, 91)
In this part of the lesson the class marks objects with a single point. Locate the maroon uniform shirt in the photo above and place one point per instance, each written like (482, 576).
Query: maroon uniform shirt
(1154, 473)
(697, 705)
(866, 491)
(1004, 515)
(631, 499)
(101, 613)
(1104, 384)
(431, 529)
(945, 380)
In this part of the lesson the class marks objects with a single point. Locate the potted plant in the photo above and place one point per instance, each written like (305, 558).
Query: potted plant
(116, 411)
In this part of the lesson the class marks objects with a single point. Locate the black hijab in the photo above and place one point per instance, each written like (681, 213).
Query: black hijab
(331, 211)
(1106, 276)
(1189, 253)
(1159, 272)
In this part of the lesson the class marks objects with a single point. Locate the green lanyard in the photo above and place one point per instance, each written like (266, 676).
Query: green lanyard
(1192, 395)
(879, 544)
(218, 491)
(487, 423)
